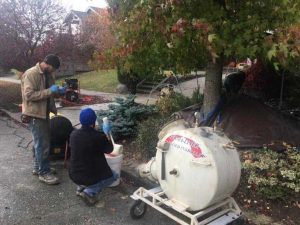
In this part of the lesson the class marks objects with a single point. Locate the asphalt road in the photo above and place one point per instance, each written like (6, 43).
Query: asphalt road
(26, 201)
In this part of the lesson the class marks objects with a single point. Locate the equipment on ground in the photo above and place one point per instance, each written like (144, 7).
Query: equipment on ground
(60, 130)
(73, 90)
(197, 170)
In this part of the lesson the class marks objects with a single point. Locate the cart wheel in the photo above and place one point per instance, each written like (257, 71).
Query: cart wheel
(138, 209)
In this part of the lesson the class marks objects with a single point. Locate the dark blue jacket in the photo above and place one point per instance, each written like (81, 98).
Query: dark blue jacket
(88, 164)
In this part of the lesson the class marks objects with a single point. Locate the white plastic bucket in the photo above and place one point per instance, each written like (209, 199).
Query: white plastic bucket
(115, 163)
(118, 149)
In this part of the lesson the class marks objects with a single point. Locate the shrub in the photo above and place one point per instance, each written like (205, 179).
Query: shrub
(147, 136)
(130, 79)
(124, 116)
(275, 175)
(171, 103)
(197, 97)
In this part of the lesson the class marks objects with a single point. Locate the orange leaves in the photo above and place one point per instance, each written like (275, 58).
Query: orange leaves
(201, 25)
(179, 26)
(196, 24)
(96, 30)
(108, 59)
(285, 43)
(123, 52)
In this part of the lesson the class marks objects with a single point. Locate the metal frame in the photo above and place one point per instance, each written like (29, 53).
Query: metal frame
(225, 211)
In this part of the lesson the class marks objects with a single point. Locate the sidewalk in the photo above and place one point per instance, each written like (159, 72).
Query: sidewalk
(140, 98)
(12, 79)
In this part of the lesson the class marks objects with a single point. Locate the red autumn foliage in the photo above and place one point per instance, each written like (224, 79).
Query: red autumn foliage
(96, 30)
(261, 80)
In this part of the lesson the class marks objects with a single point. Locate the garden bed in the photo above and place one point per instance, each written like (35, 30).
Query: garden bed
(283, 211)
(85, 100)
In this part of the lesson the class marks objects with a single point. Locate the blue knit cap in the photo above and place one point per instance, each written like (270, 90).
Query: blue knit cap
(87, 117)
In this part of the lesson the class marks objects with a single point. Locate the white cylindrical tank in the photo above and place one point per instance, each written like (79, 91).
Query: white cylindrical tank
(196, 166)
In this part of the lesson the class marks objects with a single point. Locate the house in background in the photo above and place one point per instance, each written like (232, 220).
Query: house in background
(74, 20)
(74, 24)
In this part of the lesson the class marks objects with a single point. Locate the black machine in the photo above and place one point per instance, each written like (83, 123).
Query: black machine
(60, 129)
(72, 92)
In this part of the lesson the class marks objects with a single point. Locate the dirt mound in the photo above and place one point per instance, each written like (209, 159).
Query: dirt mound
(10, 95)
(254, 124)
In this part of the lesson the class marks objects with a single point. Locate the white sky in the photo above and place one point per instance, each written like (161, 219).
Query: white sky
(81, 5)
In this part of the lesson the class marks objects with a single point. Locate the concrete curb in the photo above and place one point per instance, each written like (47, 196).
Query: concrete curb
(16, 117)
(134, 179)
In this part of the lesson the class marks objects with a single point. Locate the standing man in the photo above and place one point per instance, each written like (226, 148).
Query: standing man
(38, 92)
(88, 166)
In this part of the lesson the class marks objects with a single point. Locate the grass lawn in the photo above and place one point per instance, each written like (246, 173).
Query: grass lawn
(103, 80)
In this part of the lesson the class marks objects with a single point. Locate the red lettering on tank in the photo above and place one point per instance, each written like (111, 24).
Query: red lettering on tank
(193, 148)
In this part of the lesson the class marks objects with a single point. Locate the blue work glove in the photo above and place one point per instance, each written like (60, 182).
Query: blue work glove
(62, 90)
(54, 88)
(106, 128)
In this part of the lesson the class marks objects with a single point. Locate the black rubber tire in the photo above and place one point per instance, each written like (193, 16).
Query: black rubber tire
(138, 209)
(240, 221)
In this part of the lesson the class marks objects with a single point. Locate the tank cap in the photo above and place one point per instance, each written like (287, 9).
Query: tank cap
(163, 145)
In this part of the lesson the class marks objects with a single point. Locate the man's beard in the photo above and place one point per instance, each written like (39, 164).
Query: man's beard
(46, 71)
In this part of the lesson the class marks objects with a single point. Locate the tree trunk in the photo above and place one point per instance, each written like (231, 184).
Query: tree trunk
(213, 85)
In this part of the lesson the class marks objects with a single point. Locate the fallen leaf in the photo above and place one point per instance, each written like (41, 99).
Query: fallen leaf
(112, 209)
(100, 204)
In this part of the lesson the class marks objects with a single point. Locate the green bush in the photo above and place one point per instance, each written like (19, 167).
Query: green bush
(125, 115)
(171, 103)
(197, 97)
(130, 79)
(147, 136)
(275, 175)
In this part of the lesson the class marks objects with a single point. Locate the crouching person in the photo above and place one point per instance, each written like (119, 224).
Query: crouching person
(88, 166)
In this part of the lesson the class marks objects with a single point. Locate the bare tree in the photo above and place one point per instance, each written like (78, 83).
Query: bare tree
(24, 25)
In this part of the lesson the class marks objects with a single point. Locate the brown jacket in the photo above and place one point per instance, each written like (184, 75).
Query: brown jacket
(34, 94)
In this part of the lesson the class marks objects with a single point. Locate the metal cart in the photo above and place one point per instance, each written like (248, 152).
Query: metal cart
(220, 213)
